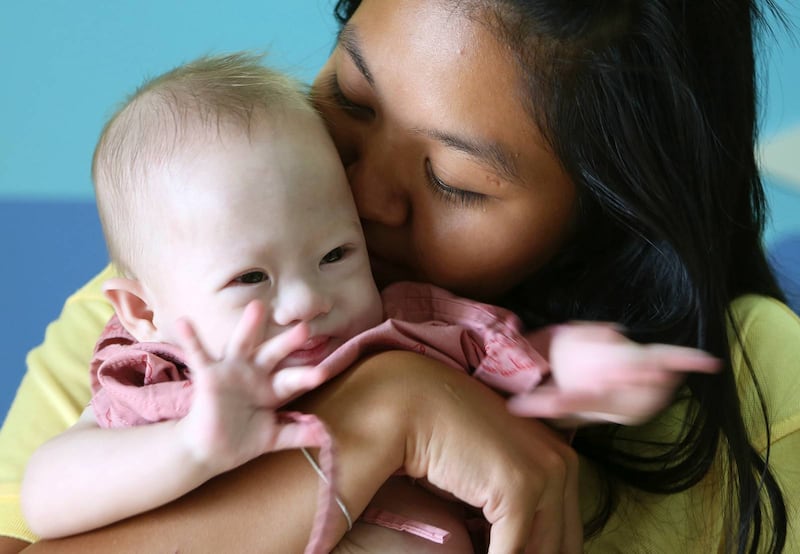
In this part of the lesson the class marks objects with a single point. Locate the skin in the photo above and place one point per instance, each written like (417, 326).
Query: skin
(398, 114)
(242, 303)
(309, 265)
(411, 403)
(422, 113)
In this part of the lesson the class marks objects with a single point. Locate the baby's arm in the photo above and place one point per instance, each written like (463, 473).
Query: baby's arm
(89, 477)
(599, 375)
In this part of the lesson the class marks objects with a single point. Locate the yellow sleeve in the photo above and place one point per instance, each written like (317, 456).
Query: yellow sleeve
(52, 394)
(690, 521)
(771, 334)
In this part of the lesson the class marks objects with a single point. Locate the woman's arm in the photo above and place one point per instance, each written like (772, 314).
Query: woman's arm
(395, 409)
(11, 546)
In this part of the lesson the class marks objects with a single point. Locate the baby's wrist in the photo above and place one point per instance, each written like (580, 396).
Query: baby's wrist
(200, 459)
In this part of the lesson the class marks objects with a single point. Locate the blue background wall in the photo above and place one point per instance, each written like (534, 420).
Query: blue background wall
(72, 62)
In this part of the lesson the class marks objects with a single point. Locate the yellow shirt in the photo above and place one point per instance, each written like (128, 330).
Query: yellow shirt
(55, 390)
(691, 521)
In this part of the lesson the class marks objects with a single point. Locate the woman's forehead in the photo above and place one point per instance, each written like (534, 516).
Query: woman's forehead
(441, 73)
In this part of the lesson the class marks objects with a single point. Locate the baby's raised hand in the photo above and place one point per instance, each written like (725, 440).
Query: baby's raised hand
(598, 374)
(233, 417)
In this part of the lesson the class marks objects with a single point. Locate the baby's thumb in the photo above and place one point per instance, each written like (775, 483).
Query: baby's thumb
(548, 402)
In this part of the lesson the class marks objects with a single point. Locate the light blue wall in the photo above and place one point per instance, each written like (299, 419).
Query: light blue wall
(64, 66)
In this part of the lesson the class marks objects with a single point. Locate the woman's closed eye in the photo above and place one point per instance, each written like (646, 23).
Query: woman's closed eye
(251, 278)
(462, 198)
(346, 104)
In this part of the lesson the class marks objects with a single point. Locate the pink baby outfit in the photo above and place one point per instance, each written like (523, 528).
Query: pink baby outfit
(139, 383)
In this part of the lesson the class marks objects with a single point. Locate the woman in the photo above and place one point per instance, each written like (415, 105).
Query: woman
(570, 163)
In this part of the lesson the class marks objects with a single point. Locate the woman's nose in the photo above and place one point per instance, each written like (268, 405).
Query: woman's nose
(375, 177)
(299, 302)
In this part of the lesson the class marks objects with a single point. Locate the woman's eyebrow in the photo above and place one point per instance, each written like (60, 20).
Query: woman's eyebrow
(490, 153)
(348, 39)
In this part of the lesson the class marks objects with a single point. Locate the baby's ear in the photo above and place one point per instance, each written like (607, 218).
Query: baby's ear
(132, 307)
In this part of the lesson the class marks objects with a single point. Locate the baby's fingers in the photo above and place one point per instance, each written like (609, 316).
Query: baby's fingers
(246, 334)
(295, 434)
(277, 348)
(293, 381)
(656, 365)
(683, 359)
(552, 403)
(196, 355)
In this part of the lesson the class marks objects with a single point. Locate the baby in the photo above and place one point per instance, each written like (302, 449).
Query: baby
(245, 281)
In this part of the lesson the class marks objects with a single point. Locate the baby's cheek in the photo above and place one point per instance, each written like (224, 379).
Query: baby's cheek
(215, 335)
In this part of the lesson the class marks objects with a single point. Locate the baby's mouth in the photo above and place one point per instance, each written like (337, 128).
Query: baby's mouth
(313, 351)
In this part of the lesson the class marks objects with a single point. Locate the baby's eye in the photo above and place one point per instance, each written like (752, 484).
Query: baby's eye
(333, 256)
(252, 278)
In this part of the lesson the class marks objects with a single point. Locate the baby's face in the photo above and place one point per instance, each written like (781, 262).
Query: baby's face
(265, 216)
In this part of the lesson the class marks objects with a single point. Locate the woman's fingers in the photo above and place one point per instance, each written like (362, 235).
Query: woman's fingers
(510, 534)
(572, 538)
(518, 476)
(682, 359)
(547, 535)
(553, 526)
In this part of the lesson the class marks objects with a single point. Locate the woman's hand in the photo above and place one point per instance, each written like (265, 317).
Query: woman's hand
(520, 473)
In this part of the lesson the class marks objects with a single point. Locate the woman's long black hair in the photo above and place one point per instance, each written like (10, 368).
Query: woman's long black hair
(651, 108)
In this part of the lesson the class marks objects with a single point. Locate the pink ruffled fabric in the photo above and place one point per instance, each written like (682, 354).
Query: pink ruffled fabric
(140, 383)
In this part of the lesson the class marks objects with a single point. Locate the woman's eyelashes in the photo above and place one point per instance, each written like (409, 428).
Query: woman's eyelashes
(344, 103)
(461, 197)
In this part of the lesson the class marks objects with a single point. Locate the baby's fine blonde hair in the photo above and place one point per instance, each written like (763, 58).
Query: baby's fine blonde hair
(165, 115)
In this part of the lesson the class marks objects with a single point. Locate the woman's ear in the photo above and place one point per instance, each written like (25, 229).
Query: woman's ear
(132, 307)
